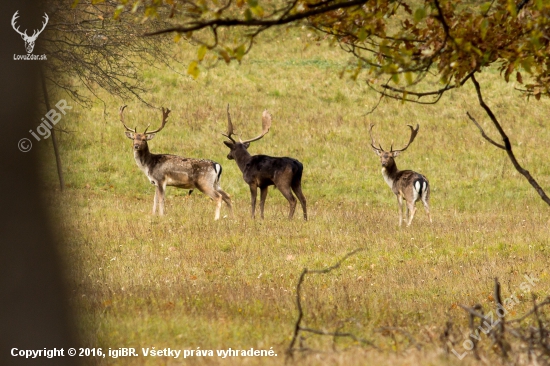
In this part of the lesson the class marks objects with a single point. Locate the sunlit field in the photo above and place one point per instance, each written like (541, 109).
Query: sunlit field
(184, 281)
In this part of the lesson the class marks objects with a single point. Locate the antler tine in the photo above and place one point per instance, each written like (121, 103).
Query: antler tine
(229, 126)
(266, 125)
(165, 113)
(36, 32)
(413, 135)
(13, 19)
(372, 140)
(121, 113)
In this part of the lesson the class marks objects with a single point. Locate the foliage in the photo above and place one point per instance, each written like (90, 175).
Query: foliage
(406, 40)
(98, 45)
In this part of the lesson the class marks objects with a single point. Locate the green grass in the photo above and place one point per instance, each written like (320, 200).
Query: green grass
(184, 281)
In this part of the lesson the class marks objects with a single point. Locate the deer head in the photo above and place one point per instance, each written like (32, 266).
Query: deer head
(29, 40)
(386, 157)
(233, 145)
(140, 139)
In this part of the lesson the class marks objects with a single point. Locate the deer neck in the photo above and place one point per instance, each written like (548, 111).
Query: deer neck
(143, 159)
(389, 172)
(242, 157)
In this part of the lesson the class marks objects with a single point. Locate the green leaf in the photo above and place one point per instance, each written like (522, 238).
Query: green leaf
(247, 14)
(118, 11)
(409, 77)
(484, 8)
(252, 3)
(75, 3)
(258, 10)
(395, 78)
(202, 52)
(419, 14)
(511, 6)
(239, 52)
(136, 6)
(484, 28)
(527, 63)
(193, 69)
(362, 35)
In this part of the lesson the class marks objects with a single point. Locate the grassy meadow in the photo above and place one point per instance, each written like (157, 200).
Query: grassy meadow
(185, 281)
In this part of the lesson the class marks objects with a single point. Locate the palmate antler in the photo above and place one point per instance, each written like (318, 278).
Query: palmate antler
(266, 125)
(229, 127)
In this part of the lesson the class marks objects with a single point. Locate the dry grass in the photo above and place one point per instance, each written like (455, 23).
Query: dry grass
(184, 281)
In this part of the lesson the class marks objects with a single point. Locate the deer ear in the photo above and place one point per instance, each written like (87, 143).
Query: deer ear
(229, 144)
(129, 134)
(246, 145)
(149, 136)
(396, 153)
(376, 151)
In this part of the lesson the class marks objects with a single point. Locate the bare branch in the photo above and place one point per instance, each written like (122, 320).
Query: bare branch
(233, 22)
(507, 145)
(484, 134)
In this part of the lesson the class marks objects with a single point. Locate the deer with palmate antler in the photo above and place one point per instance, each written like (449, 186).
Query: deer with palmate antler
(262, 171)
(164, 170)
(406, 184)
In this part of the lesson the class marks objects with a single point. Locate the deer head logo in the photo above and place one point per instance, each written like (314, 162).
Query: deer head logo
(29, 41)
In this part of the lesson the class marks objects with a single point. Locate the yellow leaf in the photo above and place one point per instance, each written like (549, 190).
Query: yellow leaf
(177, 37)
(201, 52)
(193, 69)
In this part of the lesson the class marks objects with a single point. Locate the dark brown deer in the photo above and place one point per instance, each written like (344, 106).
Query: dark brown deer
(405, 184)
(262, 171)
(170, 170)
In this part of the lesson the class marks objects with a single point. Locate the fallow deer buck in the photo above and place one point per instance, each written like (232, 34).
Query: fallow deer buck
(262, 171)
(170, 170)
(405, 184)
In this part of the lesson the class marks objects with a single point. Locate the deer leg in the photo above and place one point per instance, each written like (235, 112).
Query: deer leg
(155, 200)
(253, 194)
(227, 199)
(285, 190)
(400, 208)
(216, 197)
(161, 191)
(426, 207)
(412, 209)
(263, 196)
(297, 188)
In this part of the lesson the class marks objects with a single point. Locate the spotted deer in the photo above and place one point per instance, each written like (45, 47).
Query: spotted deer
(405, 184)
(262, 171)
(164, 170)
